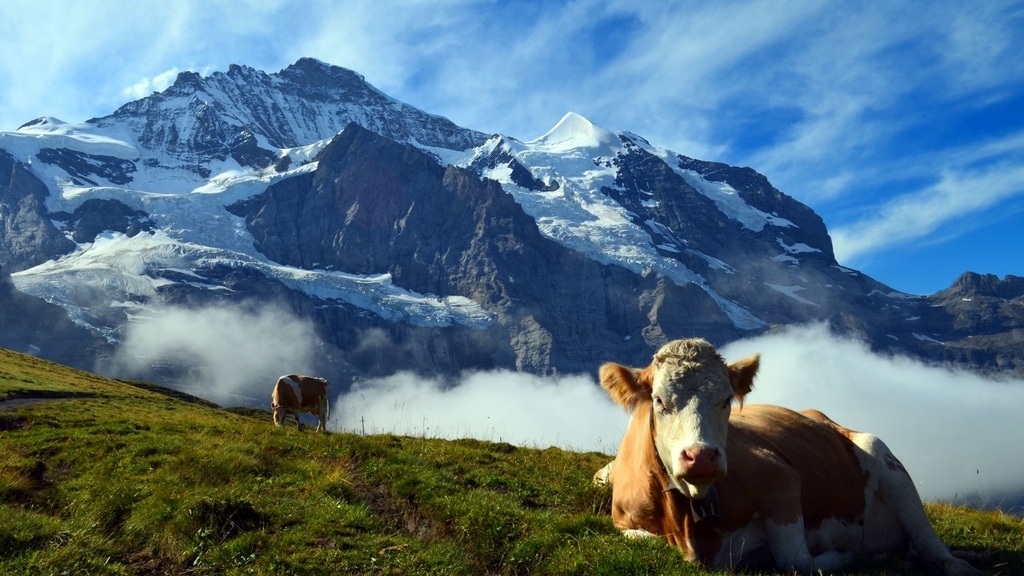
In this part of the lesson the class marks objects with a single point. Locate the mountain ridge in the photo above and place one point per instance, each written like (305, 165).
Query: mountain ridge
(311, 188)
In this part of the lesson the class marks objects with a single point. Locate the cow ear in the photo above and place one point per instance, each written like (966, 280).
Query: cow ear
(625, 385)
(741, 375)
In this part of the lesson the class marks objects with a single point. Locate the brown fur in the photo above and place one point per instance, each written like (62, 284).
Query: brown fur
(782, 464)
(313, 392)
(798, 481)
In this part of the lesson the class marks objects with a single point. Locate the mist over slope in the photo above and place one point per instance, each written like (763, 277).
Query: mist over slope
(956, 432)
(245, 225)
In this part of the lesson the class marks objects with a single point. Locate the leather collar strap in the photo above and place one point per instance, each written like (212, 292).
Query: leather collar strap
(657, 456)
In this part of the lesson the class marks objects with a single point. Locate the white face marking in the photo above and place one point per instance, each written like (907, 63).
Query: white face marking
(692, 402)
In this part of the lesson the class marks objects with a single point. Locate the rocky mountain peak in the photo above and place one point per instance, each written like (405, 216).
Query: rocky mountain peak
(974, 284)
(201, 118)
(187, 82)
(313, 74)
(759, 193)
(312, 190)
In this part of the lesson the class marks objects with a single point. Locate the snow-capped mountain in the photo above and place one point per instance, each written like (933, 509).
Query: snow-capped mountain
(312, 190)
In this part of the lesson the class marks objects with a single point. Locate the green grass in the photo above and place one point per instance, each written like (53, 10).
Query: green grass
(129, 478)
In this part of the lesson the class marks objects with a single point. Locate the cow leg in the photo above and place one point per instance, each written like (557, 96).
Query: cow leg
(604, 476)
(788, 540)
(321, 425)
(896, 491)
(788, 543)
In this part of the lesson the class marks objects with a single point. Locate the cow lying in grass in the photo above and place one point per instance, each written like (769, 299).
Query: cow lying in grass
(760, 487)
(294, 395)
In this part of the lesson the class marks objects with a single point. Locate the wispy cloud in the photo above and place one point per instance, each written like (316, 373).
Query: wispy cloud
(940, 210)
(570, 412)
(232, 353)
(147, 86)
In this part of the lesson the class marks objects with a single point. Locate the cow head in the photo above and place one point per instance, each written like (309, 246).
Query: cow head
(687, 392)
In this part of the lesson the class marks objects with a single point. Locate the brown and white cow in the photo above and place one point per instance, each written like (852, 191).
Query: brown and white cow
(760, 487)
(294, 395)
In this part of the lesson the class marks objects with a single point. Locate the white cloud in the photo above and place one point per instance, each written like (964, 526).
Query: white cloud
(912, 218)
(956, 432)
(147, 86)
(234, 353)
(570, 412)
(981, 49)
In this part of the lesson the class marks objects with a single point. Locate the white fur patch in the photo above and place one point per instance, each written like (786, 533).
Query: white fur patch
(296, 389)
(637, 533)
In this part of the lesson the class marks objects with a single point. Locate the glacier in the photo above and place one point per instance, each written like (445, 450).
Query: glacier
(576, 153)
(196, 230)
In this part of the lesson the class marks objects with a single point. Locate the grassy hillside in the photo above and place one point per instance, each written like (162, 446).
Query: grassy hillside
(110, 477)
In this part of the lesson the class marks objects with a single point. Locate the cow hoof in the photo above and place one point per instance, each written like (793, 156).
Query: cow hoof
(636, 533)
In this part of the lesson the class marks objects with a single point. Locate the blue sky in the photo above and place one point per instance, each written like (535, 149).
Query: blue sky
(900, 123)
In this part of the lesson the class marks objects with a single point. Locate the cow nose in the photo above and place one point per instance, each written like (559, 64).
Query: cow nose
(701, 461)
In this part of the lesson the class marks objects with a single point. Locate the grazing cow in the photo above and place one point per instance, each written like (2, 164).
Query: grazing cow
(294, 395)
(764, 487)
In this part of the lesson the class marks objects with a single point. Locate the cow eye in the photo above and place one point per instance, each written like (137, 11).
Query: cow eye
(659, 403)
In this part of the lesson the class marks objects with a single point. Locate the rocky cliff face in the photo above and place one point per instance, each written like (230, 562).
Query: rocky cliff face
(413, 244)
(32, 326)
(374, 206)
(27, 236)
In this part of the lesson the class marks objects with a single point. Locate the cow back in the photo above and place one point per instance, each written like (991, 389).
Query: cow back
(314, 392)
(775, 449)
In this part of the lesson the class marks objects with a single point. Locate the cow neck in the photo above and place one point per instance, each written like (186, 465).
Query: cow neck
(704, 509)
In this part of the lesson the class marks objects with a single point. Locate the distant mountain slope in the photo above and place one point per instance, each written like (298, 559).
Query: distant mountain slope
(311, 190)
(33, 326)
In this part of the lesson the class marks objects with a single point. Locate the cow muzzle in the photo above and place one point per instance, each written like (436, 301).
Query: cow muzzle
(701, 464)
(697, 469)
